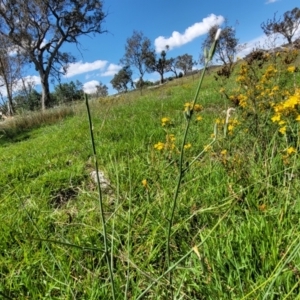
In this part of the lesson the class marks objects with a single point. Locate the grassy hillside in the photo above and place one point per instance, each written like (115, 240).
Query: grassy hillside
(235, 229)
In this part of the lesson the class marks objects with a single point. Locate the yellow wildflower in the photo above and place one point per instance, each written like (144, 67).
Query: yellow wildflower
(198, 107)
(188, 106)
(199, 118)
(291, 102)
(298, 118)
(275, 118)
(165, 121)
(291, 150)
(282, 130)
(145, 183)
(262, 207)
(207, 148)
(159, 146)
(224, 152)
(187, 146)
(170, 138)
(230, 127)
(291, 69)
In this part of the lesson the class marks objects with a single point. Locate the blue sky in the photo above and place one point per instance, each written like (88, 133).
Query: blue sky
(180, 24)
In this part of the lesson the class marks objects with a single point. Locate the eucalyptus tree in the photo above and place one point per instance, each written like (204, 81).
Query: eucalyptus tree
(159, 64)
(286, 26)
(121, 80)
(185, 63)
(39, 28)
(137, 51)
(226, 48)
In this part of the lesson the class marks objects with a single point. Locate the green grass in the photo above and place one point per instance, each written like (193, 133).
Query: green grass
(242, 216)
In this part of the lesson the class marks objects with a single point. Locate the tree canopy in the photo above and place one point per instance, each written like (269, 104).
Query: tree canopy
(39, 28)
(68, 92)
(122, 79)
(137, 51)
(226, 47)
(287, 26)
(158, 64)
(101, 90)
(185, 63)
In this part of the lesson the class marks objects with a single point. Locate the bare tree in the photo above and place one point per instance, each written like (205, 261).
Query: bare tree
(286, 27)
(137, 51)
(11, 64)
(101, 90)
(185, 63)
(40, 28)
(226, 47)
(173, 66)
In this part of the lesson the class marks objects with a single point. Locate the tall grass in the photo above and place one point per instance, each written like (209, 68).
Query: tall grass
(235, 228)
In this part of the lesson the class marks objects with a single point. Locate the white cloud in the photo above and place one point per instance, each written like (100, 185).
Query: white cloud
(111, 70)
(90, 86)
(36, 80)
(177, 39)
(19, 85)
(271, 1)
(80, 67)
(262, 42)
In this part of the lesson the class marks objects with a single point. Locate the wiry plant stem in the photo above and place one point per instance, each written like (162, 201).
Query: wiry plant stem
(100, 201)
(188, 115)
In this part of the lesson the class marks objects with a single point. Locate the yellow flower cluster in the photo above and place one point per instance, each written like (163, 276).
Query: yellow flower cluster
(159, 146)
(189, 106)
(291, 69)
(187, 146)
(165, 121)
(232, 124)
(243, 74)
(287, 109)
(168, 145)
(145, 183)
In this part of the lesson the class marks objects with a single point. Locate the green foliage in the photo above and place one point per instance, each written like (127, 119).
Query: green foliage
(68, 92)
(121, 80)
(143, 83)
(30, 101)
(185, 63)
(159, 64)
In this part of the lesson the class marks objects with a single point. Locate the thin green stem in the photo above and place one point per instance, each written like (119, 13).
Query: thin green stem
(188, 114)
(100, 201)
(181, 174)
(128, 239)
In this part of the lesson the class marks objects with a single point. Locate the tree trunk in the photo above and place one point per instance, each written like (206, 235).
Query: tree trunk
(10, 105)
(45, 101)
(161, 78)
